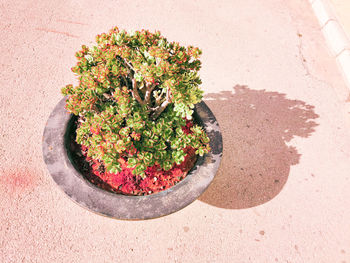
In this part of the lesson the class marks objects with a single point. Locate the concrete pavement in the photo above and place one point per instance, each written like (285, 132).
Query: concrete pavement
(281, 194)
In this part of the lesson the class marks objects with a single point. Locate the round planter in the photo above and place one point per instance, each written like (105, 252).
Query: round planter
(58, 156)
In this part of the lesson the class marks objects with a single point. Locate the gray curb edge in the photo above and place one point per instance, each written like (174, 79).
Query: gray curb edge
(334, 34)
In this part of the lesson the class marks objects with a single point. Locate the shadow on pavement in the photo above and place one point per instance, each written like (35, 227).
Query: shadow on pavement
(256, 126)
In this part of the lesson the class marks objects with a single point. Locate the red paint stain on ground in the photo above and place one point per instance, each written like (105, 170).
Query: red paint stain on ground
(18, 182)
(57, 32)
(71, 22)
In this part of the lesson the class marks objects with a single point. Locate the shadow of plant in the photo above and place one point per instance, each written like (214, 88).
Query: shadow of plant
(255, 125)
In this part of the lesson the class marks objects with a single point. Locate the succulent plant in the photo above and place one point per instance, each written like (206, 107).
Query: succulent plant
(135, 100)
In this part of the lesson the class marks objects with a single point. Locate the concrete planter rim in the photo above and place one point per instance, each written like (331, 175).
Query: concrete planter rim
(119, 206)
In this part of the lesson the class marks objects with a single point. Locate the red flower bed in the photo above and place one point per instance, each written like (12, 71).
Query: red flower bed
(156, 179)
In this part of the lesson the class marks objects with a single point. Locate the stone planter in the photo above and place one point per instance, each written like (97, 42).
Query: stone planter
(59, 156)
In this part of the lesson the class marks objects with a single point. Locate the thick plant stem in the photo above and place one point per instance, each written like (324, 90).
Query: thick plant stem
(162, 107)
(148, 93)
(107, 96)
(129, 66)
(147, 96)
(135, 92)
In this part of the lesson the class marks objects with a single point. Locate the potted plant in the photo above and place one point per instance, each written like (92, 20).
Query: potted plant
(134, 125)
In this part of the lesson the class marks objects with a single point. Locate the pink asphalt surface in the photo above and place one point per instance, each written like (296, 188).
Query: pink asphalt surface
(282, 191)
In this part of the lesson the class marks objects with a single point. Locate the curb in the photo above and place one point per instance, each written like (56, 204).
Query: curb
(336, 38)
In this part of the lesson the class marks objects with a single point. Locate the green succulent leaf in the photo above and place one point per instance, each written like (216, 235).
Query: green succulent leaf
(136, 93)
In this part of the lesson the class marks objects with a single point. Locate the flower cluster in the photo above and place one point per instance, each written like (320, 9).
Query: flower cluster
(135, 96)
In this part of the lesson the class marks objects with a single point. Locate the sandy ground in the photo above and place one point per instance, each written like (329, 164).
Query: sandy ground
(282, 191)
